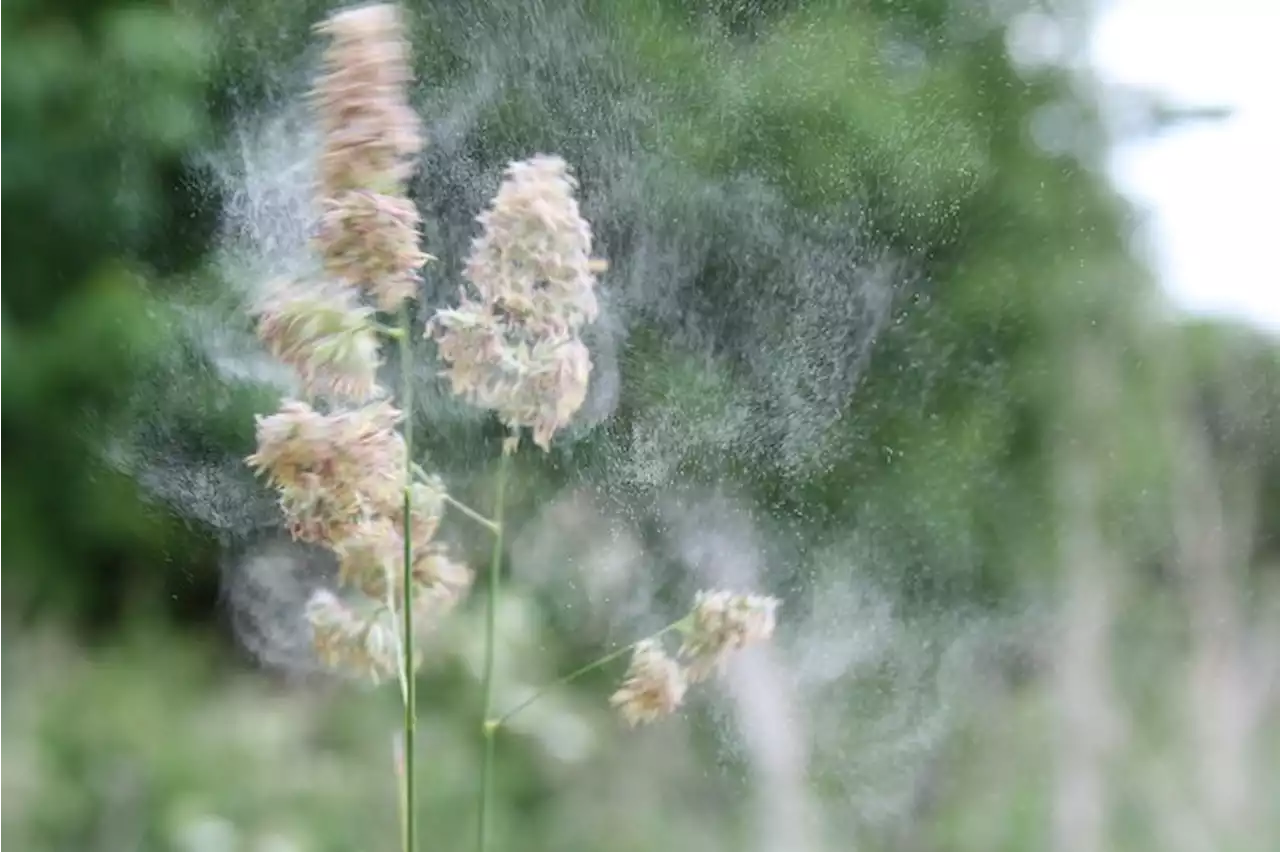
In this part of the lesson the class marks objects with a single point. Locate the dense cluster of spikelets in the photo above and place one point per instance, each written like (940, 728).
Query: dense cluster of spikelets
(515, 346)
(721, 622)
(340, 465)
(512, 345)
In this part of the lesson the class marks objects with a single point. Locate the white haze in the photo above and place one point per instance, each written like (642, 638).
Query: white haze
(792, 712)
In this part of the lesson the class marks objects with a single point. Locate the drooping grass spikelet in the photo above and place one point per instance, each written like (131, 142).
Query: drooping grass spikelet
(654, 685)
(330, 469)
(375, 544)
(723, 622)
(362, 644)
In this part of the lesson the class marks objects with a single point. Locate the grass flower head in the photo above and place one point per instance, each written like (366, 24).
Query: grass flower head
(371, 134)
(654, 685)
(514, 347)
(723, 622)
(325, 335)
(331, 468)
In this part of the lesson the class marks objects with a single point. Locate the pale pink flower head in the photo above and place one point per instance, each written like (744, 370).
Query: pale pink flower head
(369, 556)
(554, 386)
(370, 132)
(539, 382)
(723, 622)
(325, 335)
(371, 559)
(533, 260)
(329, 468)
(345, 641)
(316, 512)
(361, 637)
(441, 582)
(515, 348)
(654, 685)
(370, 240)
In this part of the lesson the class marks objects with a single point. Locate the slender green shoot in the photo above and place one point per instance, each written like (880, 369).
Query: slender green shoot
(407, 646)
(490, 639)
(492, 526)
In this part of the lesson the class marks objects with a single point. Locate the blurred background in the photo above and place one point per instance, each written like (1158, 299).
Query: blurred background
(947, 322)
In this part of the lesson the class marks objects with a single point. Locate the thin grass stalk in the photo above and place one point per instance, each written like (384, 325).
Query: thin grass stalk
(579, 672)
(488, 726)
(410, 687)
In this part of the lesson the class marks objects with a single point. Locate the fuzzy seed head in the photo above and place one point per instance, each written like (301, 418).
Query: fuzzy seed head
(654, 685)
(344, 641)
(540, 383)
(722, 622)
(441, 583)
(370, 240)
(533, 258)
(370, 132)
(325, 335)
(331, 468)
(515, 348)
(371, 559)
(369, 556)
(317, 513)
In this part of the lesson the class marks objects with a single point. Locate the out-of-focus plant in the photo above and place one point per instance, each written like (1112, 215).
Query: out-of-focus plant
(346, 473)
(101, 103)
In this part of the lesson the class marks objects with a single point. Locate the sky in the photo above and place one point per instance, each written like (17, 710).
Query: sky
(1211, 190)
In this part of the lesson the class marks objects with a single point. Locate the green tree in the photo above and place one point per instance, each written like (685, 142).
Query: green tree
(102, 101)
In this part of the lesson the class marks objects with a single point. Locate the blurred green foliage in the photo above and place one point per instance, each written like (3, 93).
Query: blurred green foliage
(183, 751)
(906, 125)
(102, 101)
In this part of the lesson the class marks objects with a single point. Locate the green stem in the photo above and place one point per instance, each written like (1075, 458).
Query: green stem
(490, 631)
(410, 688)
(459, 505)
(394, 332)
(492, 526)
(577, 673)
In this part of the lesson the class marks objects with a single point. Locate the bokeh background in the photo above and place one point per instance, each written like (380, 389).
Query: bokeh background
(880, 338)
